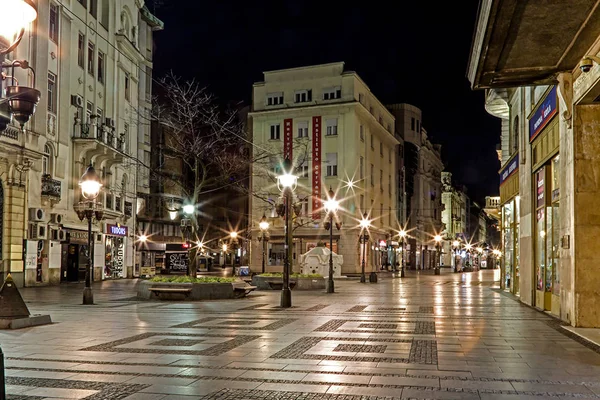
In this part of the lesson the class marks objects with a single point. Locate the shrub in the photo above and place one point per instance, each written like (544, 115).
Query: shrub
(189, 279)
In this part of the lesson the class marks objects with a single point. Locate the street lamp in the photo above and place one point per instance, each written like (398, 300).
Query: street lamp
(264, 226)
(402, 234)
(365, 223)
(234, 242)
(90, 188)
(287, 182)
(455, 246)
(438, 245)
(331, 206)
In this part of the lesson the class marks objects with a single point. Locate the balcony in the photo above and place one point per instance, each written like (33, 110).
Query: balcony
(99, 139)
(492, 207)
(51, 189)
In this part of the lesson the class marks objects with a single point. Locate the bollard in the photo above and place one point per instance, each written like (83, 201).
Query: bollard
(2, 383)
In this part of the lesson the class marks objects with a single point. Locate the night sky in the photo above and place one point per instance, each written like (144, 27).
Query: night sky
(413, 52)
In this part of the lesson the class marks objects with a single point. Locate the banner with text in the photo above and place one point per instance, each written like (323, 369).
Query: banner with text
(288, 140)
(510, 169)
(543, 114)
(316, 168)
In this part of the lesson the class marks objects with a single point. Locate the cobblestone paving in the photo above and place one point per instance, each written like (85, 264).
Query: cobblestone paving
(453, 336)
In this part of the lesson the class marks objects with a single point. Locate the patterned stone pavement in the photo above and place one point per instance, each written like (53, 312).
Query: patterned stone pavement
(453, 336)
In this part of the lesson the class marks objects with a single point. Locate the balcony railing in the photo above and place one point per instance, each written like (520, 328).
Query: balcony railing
(51, 187)
(492, 202)
(102, 133)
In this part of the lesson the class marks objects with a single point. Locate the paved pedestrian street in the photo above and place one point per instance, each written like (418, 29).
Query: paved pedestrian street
(453, 336)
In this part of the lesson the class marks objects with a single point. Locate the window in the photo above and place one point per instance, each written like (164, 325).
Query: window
(372, 175)
(361, 130)
(381, 148)
(53, 28)
(304, 205)
(381, 212)
(52, 93)
(381, 180)
(83, 3)
(274, 99)
(100, 67)
(89, 111)
(412, 123)
(332, 93)
(371, 109)
(302, 96)
(47, 160)
(94, 8)
(418, 126)
(331, 164)
(302, 170)
(90, 63)
(331, 127)
(80, 50)
(372, 142)
(380, 120)
(361, 167)
(302, 129)
(99, 115)
(104, 18)
(361, 98)
(275, 131)
(389, 128)
(127, 87)
(275, 165)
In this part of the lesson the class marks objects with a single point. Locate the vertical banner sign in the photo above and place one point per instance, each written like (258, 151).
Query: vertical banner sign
(316, 168)
(288, 139)
(540, 177)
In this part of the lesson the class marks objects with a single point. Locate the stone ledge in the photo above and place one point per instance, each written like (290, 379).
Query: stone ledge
(200, 291)
(262, 282)
(18, 323)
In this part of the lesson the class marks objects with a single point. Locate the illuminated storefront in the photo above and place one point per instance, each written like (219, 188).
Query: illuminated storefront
(116, 236)
(510, 206)
(544, 138)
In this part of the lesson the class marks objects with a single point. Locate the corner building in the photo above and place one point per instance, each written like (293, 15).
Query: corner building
(336, 132)
(549, 180)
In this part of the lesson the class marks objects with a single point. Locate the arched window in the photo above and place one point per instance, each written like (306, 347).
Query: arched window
(47, 160)
(514, 145)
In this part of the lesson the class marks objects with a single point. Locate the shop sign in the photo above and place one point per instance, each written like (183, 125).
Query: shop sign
(288, 139)
(540, 175)
(316, 167)
(543, 114)
(394, 243)
(510, 169)
(116, 230)
(77, 237)
(382, 243)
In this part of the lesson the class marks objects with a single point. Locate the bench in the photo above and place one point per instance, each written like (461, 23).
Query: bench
(158, 290)
(242, 290)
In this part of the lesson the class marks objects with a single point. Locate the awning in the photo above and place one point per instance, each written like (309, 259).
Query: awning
(528, 42)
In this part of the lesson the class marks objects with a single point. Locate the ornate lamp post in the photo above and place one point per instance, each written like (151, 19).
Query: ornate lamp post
(438, 245)
(331, 206)
(402, 234)
(287, 182)
(90, 188)
(264, 226)
(234, 245)
(365, 223)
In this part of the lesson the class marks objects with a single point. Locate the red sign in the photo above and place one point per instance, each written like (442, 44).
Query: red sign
(288, 139)
(316, 168)
(540, 178)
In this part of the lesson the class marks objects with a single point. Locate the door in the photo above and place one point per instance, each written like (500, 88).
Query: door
(72, 262)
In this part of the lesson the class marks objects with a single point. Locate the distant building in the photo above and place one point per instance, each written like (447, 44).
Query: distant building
(339, 136)
(422, 166)
(454, 217)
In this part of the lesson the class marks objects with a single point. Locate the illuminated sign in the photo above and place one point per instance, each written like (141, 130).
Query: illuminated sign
(511, 168)
(116, 230)
(543, 114)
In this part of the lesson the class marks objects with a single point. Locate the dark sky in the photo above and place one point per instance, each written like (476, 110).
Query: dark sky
(406, 51)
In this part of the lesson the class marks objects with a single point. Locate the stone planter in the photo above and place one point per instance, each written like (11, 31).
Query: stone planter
(200, 291)
(275, 283)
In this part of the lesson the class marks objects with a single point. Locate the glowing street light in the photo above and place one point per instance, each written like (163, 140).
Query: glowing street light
(365, 223)
(15, 16)
(403, 234)
(331, 206)
(264, 226)
(143, 238)
(189, 209)
(286, 183)
(438, 245)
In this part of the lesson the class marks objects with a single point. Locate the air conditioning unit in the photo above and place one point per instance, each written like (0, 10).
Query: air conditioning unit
(109, 122)
(77, 100)
(59, 235)
(37, 214)
(38, 231)
(57, 218)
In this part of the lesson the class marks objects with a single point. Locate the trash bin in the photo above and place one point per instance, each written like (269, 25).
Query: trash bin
(244, 271)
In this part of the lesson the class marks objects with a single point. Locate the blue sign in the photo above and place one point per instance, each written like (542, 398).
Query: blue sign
(510, 169)
(543, 114)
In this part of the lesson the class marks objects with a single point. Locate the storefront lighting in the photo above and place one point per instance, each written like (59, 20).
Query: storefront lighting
(172, 215)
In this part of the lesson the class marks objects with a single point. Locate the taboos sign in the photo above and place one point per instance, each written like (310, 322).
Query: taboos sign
(116, 230)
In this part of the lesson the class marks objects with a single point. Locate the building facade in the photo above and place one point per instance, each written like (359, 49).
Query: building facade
(338, 136)
(549, 182)
(454, 219)
(93, 66)
(423, 166)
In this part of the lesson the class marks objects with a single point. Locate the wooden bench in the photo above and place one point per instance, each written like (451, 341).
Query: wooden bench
(242, 290)
(158, 290)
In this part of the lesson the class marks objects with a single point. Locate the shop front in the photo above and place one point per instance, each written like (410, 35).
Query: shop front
(510, 221)
(74, 256)
(114, 255)
(544, 138)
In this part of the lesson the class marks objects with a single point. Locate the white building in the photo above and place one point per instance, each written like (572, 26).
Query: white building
(338, 132)
(93, 66)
